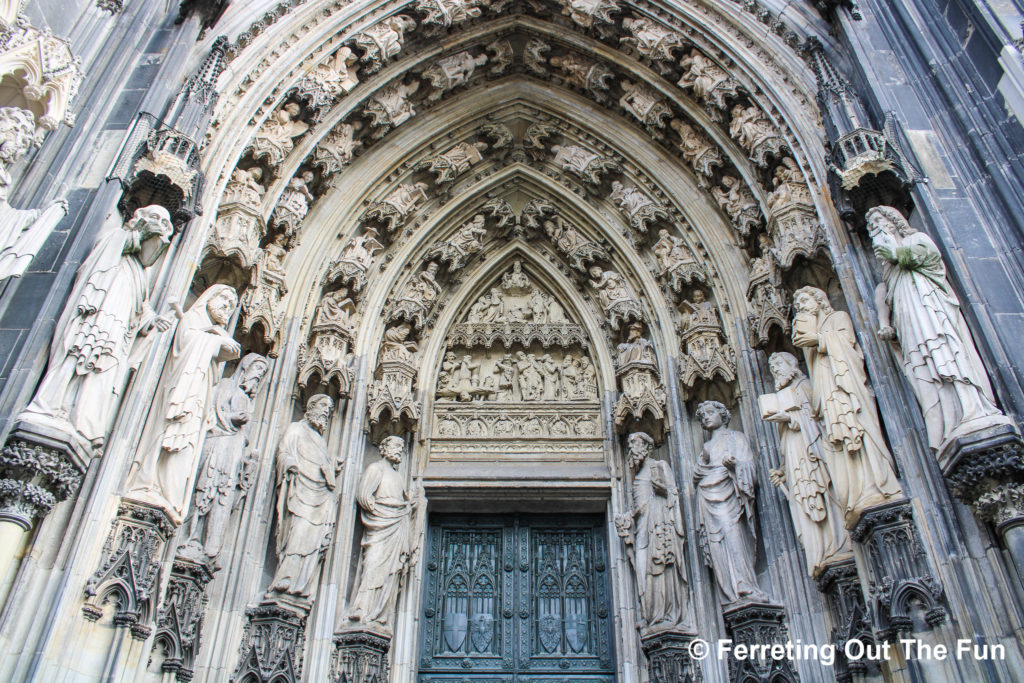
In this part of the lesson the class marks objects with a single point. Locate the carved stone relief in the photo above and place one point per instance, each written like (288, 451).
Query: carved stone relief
(394, 210)
(449, 12)
(584, 74)
(463, 245)
(391, 107)
(240, 227)
(327, 356)
(391, 394)
(451, 164)
(276, 137)
(652, 41)
(706, 357)
(588, 166)
(643, 397)
(711, 84)
(618, 302)
(570, 241)
(769, 302)
(676, 264)
(639, 209)
(739, 204)
(754, 132)
(353, 265)
(644, 105)
(261, 302)
(588, 13)
(383, 41)
(792, 219)
(293, 206)
(330, 78)
(417, 297)
(451, 72)
(698, 150)
(336, 149)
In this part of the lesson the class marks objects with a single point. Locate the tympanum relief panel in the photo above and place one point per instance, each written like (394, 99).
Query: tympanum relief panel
(517, 378)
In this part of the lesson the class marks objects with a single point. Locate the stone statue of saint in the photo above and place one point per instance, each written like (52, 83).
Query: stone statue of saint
(657, 538)
(306, 501)
(918, 308)
(108, 308)
(858, 459)
(724, 479)
(168, 452)
(804, 476)
(222, 469)
(390, 541)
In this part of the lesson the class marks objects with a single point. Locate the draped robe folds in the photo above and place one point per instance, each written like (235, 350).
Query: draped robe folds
(89, 355)
(220, 469)
(306, 507)
(658, 547)
(725, 502)
(815, 513)
(168, 451)
(387, 515)
(938, 352)
(23, 233)
(856, 455)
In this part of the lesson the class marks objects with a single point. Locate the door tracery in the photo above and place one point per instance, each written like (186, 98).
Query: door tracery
(516, 599)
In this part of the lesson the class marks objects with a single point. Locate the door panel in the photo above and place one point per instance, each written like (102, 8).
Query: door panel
(516, 600)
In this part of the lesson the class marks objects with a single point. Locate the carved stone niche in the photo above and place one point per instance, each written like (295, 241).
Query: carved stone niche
(39, 468)
(669, 659)
(904, 594)
(792, 219)
(240, 228)
(391, 395)
(360, 657)
(129, 568)
(159, 165)
(43, 71)
(642, 403)
(759, 625)
(272, 643)
(261, 302)
(769, 302)
(180, 620)
(848, 616)
(326, 356)
(394, 210)
(706, 357)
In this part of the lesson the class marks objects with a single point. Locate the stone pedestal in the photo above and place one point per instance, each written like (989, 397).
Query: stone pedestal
(904, 594)
(180, 620)
(848, 616)
(40, 466)
(360, 656)
(986, 471)
(668, 657)
(129, 570)
(273, 641)
(759, 624)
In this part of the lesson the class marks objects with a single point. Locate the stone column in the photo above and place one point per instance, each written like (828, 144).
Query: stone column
(39, 468)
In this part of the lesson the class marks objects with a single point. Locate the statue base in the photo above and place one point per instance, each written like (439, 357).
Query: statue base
(848, 616)
(42, 464)
(273, 641)
(360, 656)
(179, 623)
(904, 594)
(760, 624)
(130, 567)
(669, 656)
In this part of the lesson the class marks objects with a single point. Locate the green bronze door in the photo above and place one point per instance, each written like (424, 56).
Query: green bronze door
(516, 600)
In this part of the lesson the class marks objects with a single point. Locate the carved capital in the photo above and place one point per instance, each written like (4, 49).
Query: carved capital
(180, 620)
(669, 659)
(901, 579)
(986, 471)
(272, 643)
(36, 473)
(848, 614)
(360, 657)
(759, 624)
(130, 566)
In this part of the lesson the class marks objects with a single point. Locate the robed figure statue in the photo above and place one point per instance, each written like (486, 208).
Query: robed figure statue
(724, 479)
(657, 539)
(168, 453)
(223, 471)
(391, 536)
(918, 308)
(804, 476)
(107, 309)
(307, 500)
